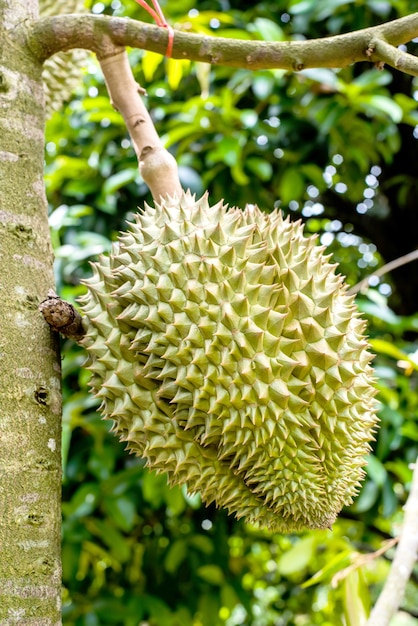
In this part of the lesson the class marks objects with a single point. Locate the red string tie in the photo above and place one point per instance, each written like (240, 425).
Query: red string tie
(158, 16)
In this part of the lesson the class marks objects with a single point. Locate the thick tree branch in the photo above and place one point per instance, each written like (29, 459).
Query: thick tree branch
(403, 563)
(93, 32)
(157, 166)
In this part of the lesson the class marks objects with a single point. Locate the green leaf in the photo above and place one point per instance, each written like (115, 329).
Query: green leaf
(153, 487)
(175, 555)
(111, 537)
(83, 501)
(371, 79)
(334, 565)
(120, 179)
(158, 609)
(389, 349)
(292, 185)
(323, 76)
(355, 599)
(267, 29)
(176, 69)
(193, 499)
(122, 511)
(202, 543)
(376, 470)
(228, 151)
(239, 175)
(410, 430)
(368, 496)
(229, 597)
(298, 557)
(150, 63)
(378, 310)
(248, 118)
(390, 501)
(212, 574)
(263, 84)
(263, 169)
(175, 501)
(203, 73)
(190, 179)
(301, 6)
(313, 173)
(386, 105)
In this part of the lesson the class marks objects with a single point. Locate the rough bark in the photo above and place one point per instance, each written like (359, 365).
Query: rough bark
(30, 405)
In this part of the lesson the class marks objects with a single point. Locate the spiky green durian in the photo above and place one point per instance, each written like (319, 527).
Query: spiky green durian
(229, 355)
(62, 72)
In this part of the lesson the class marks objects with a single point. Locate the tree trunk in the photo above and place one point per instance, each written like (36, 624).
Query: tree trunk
(30, 404)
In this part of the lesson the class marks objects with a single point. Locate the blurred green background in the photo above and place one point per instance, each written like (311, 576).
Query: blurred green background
(336, 149)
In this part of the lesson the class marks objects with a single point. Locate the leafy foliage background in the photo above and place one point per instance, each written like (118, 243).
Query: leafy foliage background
(334, 148)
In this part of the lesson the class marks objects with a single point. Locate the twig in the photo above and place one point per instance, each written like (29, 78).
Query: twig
(362, 559)
(62, 317)
(394, 57)
(388, 267)
(402, 565)
(157, 166)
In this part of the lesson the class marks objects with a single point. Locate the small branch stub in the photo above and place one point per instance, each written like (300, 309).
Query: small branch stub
(62, 317)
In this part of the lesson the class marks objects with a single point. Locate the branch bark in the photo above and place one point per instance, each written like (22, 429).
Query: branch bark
(403, 563)
(376, 44)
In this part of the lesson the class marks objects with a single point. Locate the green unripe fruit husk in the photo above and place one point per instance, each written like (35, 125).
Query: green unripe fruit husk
(227, 352)
(61, 73)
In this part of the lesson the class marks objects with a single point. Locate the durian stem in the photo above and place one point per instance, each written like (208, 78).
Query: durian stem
(157, 166)
(403, 563)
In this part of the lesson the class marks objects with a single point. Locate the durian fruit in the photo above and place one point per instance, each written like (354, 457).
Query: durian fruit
(228, 354)
(62, 72)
